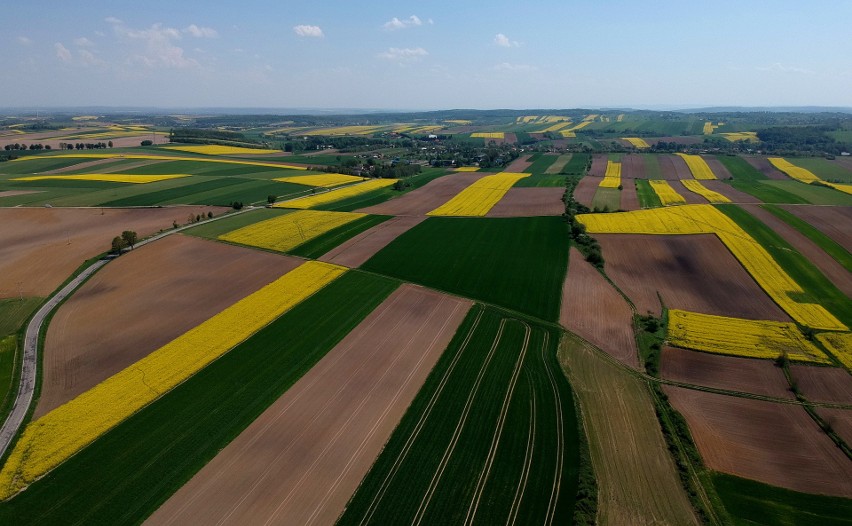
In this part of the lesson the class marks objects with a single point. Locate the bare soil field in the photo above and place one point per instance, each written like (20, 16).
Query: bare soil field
(585, 190)
(730, 192)
(529, 202)
(41, 247)
(718, 169)
(777, 444)
(55, 138)
(629, 198)
(637, 480)
(599, 161)
(845, 162)
(766, 168)
(823, 384)
(691, 197)
(140, 302)
(674, 168)
(12, 193)
(832, 221)
(829, 266)
(519, 165)
(427, 198)
(302, 459)
(690, 272)
(840, 420)
(633, 167)
(84, 164)
(354, 252)
(592, 308)
(724, 372)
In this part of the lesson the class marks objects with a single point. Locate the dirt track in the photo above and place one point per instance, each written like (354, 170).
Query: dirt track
(778, 444)
(41, 247)
(354, 252)
(529, 202)
(302, 459)
(832, 221)
(175, 284)
(429, 197)
(823, 384)
(691, 272)
(724, 372)
(592, 308)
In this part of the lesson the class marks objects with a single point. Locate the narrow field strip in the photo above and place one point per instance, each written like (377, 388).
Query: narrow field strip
(53, 438)
(314, 201)
(478, 198)
(668, 195)
(159, 158)
(739, 337)
(215, 149)
(698, 166)
(796, 172)
(288, 231)
(108, 178)
(695, 186)
(612, 177)
(488, 135)
(637, 142)
(323, 180)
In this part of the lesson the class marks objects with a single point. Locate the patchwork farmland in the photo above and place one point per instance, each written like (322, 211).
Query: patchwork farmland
(569, 317)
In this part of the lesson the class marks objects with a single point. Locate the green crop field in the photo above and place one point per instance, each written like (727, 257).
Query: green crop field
(223, 226)
(607, 199)
(492, 435)
(652, 166)
(517, 263)
(578, 165)
(824, 169)
(810, 193)
(318, 246)
(248, 191)
(830, 246)
(746, 178)
(540, 163)
(127, 473)
(161, 196)
(648, 198)
(817, 288)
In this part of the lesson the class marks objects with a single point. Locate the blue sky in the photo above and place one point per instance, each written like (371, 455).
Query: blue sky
(427, 55)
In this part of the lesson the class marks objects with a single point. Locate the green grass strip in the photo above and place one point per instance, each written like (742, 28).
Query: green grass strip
(161, 196)
(125, 475)
(648, 198)
(830, 246)
(318, 246)
(818, 289)
(577, 165)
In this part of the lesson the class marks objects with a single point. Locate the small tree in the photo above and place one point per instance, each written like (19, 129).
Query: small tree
(209, 215)
(270, 198)
(118, 244)
(146, 142)
(129, 237)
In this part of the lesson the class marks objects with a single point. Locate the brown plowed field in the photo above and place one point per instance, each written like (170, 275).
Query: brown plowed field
(840, 420)
(598, 168)
(669, 168)
(41, 247)
(691, 272)
(117, 142)
(354, 252)
(302, 459)
(529, 202)
(79, 166)
(691, 197)
(519, 165)
(844, 162)
(140, 302)
(12, 193)
(592, 308)
(823, 384)
(724, 372)
(778, 444)
(427, 198)
(719, 169)
(829, 266)
(629, 198)
(730, 192)
(766, 168)
(832, 221)
(585, 190)
(633, 167)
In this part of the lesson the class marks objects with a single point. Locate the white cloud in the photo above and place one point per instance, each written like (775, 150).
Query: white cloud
(503, 41)
(83, 42)
(159, 49)
(777, 67)
(112, 20)
(507, 66)
(395, 23)
(403, 54)
(24, 41)
(62, 52)
(308, 31)
(201, 32)
(87, 58)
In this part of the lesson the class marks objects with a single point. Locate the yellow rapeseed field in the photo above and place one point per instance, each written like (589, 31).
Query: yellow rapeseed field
(554, 127)
(215, 149)
(709, 127)
(796, 172)
(666, 193)
(323, 180)
(478, 198)
(698, 166)
(740, 136)
(591, 117)
(637, 142)
(695, 186)
(845, 188)
(612, 177)
(488, 135)
(840, 345)
(739, 337)
(288, 231)
(466, 169)
(331, 196)
(109, 178)
(706, 219)
(567, 133)
(158, 158)
(53, 438)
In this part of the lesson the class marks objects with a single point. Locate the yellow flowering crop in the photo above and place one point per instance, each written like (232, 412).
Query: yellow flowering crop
(706, 219)
(709, 127)
(53, 438)
(466, 169)
(157, 158)
(591, 117)
(288, 231)
(331, 196)
(740, 136)
(739, 337)
(796, 172)
(840, 345)
(323, 180)
(554, 127)
(620, 117)
(612, 177)
(666, 193)
(637, 142)
(215, 149)
(698, 166)
(109, 178)
(845, 188)
(695, 186)
(488, 135)
(567, 133)
(460, 122)
(478, 198)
